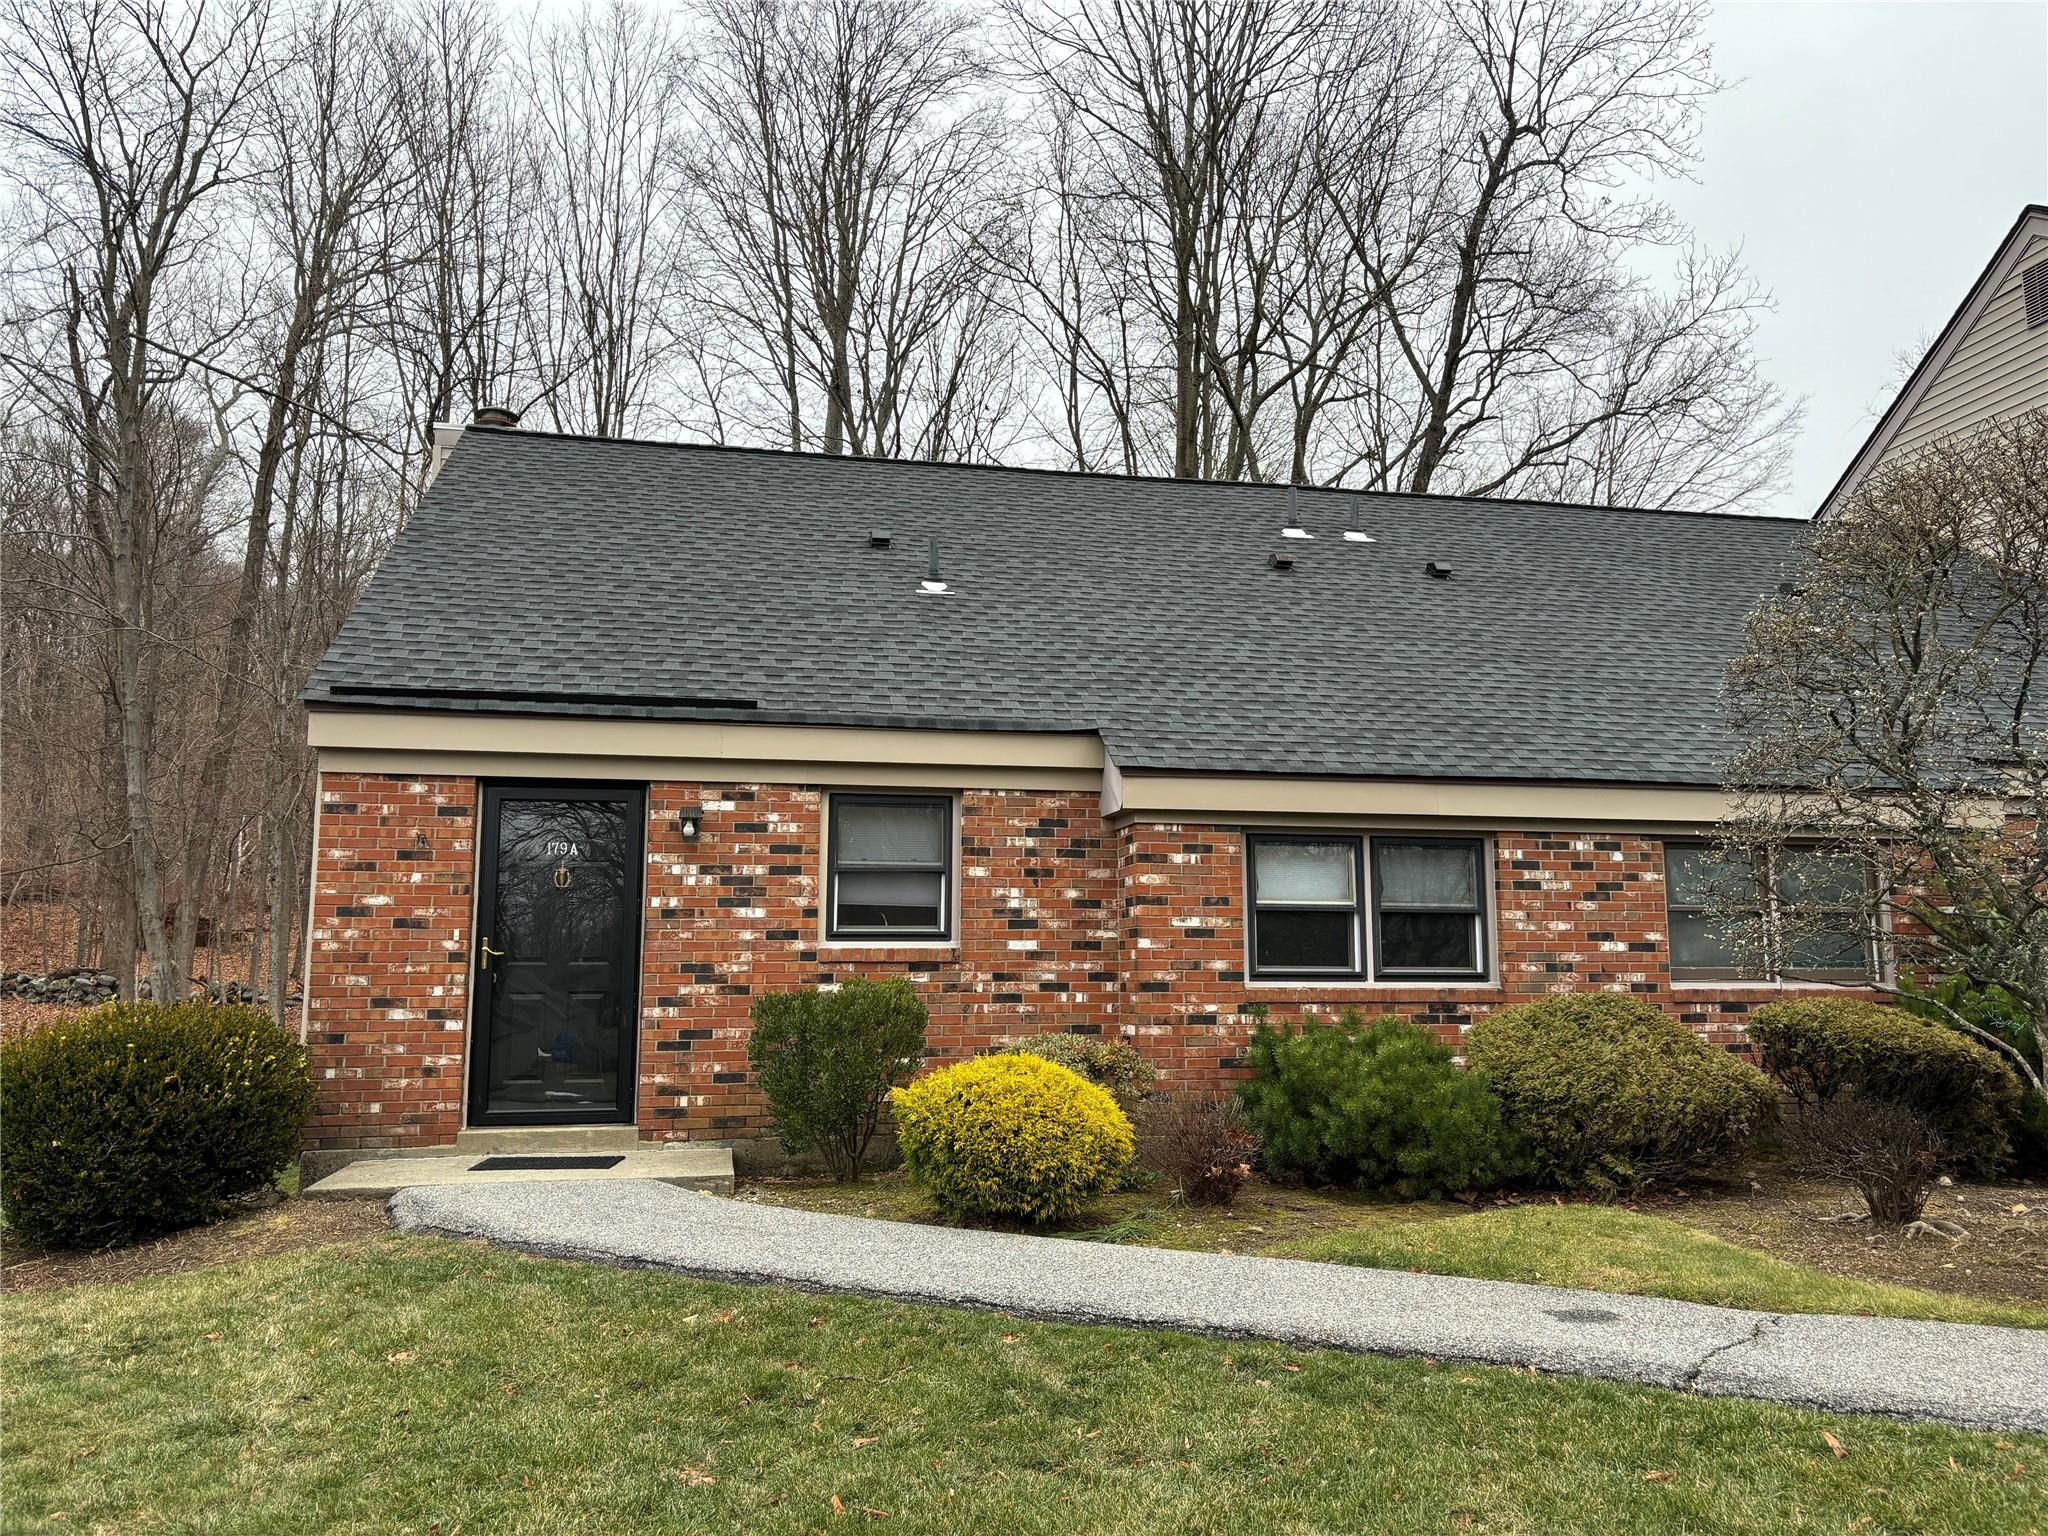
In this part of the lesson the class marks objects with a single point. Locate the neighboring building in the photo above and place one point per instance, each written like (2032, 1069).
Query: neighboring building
(624, 735)
(1990, 360)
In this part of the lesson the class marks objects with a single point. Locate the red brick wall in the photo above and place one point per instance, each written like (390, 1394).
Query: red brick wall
(387, 1005)
(1064, 922)
(1574, 912)
(735, 914)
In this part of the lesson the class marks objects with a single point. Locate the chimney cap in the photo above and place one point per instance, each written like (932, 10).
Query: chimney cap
(495, 416)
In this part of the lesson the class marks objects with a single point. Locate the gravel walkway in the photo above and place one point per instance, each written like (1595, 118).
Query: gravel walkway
(1955, 1373)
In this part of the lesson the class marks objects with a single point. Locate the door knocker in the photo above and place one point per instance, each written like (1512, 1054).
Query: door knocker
(562, 877)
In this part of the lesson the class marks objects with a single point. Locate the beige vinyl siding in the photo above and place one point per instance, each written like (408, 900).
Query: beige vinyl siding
(1998, 368)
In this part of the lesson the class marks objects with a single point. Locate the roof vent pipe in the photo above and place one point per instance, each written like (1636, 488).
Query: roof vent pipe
(933, 583)
(495, 416)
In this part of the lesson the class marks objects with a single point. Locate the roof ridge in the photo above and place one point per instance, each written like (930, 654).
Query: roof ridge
(814, 455)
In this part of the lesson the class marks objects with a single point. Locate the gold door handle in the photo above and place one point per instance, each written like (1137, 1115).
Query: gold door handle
(485, 946)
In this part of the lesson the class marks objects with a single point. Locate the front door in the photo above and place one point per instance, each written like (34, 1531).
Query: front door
(557, 955)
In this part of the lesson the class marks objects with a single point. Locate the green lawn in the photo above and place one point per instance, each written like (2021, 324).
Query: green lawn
(1599, 1247)
(1603, 1248)
(408, 1385)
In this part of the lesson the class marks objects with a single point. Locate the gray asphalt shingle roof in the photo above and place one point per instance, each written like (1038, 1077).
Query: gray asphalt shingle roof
(562, 574)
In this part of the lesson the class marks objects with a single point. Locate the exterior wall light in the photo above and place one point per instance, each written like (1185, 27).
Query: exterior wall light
(690, 821)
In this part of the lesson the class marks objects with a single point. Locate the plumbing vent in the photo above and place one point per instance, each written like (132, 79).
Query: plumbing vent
(1281, 560)
(1294, 531)
(934, 585)
(1439, 570)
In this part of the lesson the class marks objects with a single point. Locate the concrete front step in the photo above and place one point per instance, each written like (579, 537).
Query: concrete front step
(549, 1138)
(683, 1164)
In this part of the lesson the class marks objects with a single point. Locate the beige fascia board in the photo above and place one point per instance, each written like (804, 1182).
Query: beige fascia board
(1221, 798)
(556, 746)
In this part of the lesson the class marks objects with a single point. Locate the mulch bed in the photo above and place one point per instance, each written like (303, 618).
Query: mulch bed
(2003, 1257)
(256, 1234)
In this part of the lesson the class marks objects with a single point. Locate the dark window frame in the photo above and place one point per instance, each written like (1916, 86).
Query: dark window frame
(1770, 905)
(1481, 951)
(835, 932)
(1357, 970)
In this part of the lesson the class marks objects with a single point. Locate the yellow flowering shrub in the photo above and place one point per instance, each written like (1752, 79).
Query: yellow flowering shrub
(1014, 1137)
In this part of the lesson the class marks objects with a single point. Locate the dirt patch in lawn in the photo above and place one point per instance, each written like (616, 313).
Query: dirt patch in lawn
(256, 1234)
(2003, 1255)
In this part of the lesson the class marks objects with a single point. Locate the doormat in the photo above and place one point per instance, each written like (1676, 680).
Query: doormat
(538, 1160)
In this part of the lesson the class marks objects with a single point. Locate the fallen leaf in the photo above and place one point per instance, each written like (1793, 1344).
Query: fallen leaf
(878, 1514)
(214, 1337)
(1009, 1338)
(1834, 1445)
(1289, 1365)
(398, 1358)
(837, 1507)
(865, 1440)
(1659, 1477)
(697, 1477)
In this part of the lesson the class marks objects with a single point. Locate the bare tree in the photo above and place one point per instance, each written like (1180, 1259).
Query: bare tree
(848, 182)
(457, 309)
(1166, 105)
(1512, 309)
(1893, 701)
(605, 87)
(137, 115)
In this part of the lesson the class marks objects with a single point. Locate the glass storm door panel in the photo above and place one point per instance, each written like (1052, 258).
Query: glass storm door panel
(557, 957)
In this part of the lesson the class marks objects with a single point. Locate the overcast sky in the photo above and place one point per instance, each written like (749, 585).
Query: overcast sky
(1867, 159)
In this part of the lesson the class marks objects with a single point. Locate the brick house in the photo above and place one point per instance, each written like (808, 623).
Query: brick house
(623, 735)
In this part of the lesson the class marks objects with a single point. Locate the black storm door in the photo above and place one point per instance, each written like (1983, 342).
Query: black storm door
(557, 955)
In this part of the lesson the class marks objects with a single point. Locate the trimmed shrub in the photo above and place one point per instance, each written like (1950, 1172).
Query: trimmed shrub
(1205, 1146)
(1820, 1047)
(1614, 1094)
(141, 1118)
(1109, 1064)
(827, 1060)
(1014, 1137)
(1377, 1105)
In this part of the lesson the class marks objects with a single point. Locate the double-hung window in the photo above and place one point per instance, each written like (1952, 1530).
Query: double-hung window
(1798, 914)
(888, 867)
(1334, 907)
(1429, 908)
(1305, 906)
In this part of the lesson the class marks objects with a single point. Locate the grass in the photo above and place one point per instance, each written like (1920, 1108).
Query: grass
(1603, 1248)
(408, 1385)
